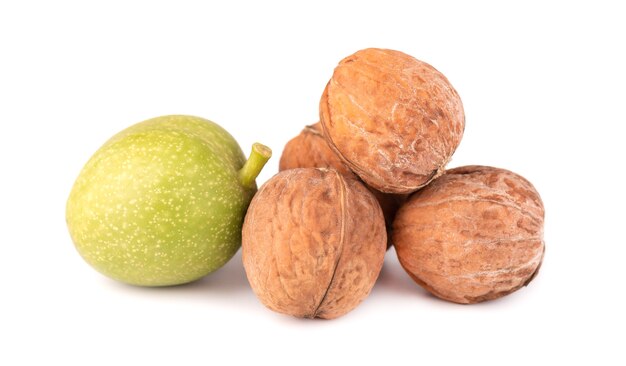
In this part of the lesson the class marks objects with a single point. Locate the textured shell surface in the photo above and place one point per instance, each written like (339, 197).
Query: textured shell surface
(160, 203)
(313, 243)
(395, 120)
(310, 150)
(474, 234)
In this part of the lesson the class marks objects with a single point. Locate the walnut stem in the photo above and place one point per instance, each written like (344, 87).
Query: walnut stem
(259, 155)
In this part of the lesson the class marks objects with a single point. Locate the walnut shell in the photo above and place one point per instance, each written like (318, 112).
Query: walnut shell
(310, 150)
(313, 243)
(474, 234)
(394, 120)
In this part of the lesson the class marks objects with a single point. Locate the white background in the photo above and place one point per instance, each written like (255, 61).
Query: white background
(543, 84)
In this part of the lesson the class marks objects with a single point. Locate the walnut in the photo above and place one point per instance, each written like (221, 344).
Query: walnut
(474, 234)
(313, 243)
(394, 120)
(310, 150)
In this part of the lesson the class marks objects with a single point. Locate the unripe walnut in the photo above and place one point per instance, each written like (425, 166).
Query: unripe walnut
(310, 150)
(394, 120)
(474, 234)
(313, 243)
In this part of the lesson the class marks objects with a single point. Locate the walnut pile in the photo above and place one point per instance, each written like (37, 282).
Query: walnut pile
(373, 171)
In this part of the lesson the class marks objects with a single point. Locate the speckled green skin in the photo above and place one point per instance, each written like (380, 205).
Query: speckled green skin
(160, 203)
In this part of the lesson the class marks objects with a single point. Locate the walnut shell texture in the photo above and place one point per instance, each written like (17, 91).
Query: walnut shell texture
(474, 234)
(310, 150)
(394, 120)
(313, 243)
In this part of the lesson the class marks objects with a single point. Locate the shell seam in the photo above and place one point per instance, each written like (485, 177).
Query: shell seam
(342, 201)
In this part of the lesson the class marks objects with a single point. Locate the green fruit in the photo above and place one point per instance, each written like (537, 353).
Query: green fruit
(162, 202)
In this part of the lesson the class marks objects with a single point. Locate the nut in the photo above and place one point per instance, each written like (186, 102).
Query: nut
(313, 243)
(394, 120)
(310, 150)
(474, 234)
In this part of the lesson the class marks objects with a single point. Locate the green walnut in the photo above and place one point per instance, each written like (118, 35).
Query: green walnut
(162, 202)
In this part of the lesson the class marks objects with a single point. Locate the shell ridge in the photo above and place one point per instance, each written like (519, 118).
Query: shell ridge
(274, 249)
(342, 201)
(457, 199)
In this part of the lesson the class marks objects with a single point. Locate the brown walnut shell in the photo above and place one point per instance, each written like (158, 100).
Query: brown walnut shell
(474, 234)
(310, 150)
(313, 243)
(394, 120)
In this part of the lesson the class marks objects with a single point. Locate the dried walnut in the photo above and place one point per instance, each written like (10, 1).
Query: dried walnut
(313, 243)
(474, 234)
(394, 120)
